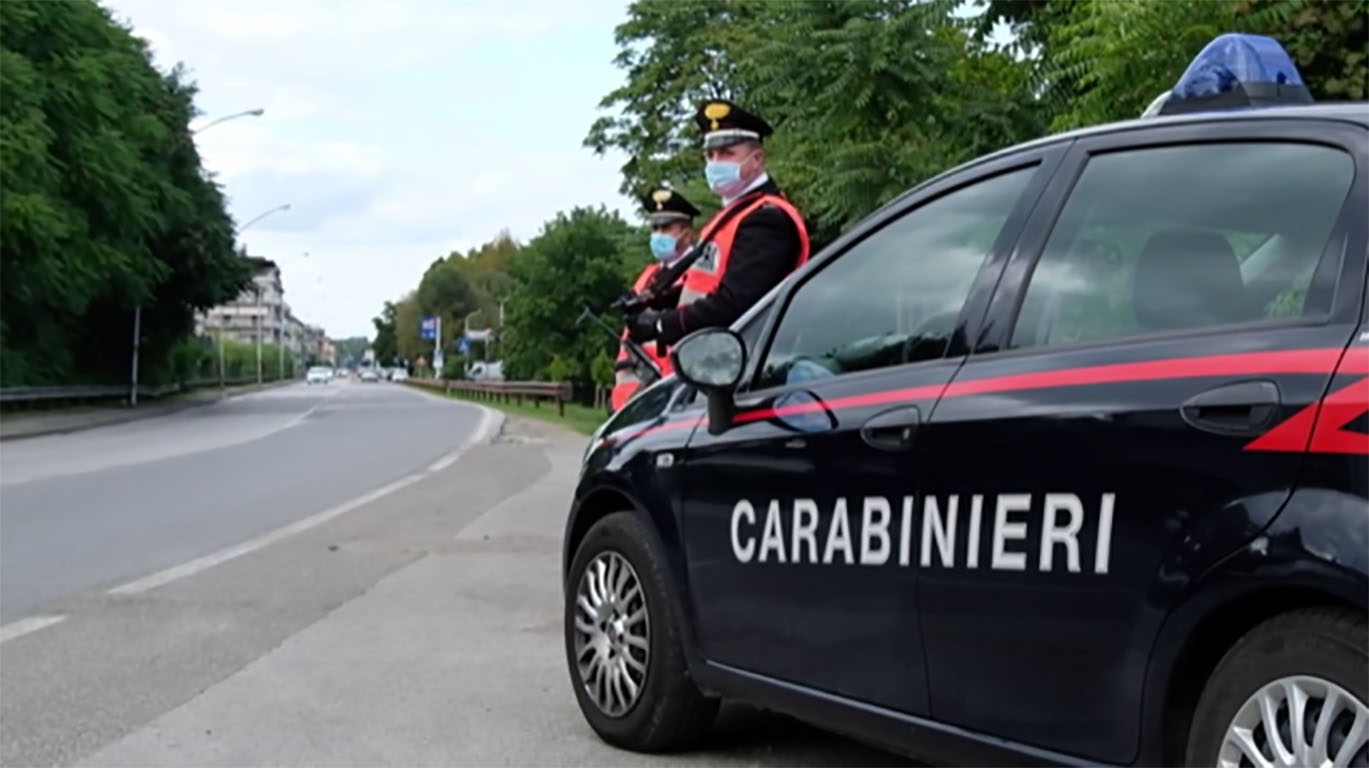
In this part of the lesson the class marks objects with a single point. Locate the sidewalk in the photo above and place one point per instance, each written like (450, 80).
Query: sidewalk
(23, 424)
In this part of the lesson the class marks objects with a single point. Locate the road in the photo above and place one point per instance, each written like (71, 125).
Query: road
(356, 574)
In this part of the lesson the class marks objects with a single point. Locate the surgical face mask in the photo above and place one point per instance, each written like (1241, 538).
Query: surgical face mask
(722, 175)
(662, 246)
(725, 176)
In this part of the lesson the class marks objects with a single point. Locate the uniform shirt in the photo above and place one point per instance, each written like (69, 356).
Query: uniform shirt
(765, 250)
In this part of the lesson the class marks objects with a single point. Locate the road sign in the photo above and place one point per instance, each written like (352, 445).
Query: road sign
(463, 347)
(427, 328)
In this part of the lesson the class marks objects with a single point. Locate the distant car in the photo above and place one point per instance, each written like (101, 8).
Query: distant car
(369, 374)
(318, 375)
(399, 375)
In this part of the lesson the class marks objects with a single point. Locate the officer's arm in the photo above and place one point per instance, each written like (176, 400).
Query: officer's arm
(765, 250)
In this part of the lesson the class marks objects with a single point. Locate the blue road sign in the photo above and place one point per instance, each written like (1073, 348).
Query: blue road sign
(427, 328)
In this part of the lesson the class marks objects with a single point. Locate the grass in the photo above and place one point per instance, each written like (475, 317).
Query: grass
(580, 418)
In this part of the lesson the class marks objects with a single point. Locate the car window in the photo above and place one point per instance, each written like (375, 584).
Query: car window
(1185, 237)
(895, 296)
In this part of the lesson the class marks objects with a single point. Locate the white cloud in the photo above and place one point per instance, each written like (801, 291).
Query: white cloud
(398, 130)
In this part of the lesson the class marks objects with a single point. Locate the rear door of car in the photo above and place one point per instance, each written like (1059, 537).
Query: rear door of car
(794, 521)
(1129, 414)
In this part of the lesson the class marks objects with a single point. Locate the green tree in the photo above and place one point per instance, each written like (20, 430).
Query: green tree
(385, 344)
(676, 53)
(351, 348)
(105, 207)
(1101, 60)
(868, 97)
(575, 260)
(601, 370)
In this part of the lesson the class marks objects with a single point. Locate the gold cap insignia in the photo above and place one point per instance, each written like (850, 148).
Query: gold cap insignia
(661, 196)
(715, 112)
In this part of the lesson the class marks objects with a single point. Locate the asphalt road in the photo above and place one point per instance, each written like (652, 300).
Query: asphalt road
(357, 575)
(95, 507)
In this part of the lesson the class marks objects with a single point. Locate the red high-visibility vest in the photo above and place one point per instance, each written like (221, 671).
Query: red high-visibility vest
(707, 272)
(625, 383)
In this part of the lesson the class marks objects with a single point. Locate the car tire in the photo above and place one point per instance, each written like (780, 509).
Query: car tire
(668, 711)
(1319, 651)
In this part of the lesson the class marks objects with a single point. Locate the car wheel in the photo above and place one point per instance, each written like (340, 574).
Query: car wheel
(1292, 691)
(623, 646)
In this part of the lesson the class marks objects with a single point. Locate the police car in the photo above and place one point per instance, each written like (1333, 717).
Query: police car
(1062, 456)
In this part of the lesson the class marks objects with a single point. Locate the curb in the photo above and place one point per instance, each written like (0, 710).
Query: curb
(134, 414)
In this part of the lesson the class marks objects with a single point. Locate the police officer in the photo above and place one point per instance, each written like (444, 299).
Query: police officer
(672, 233)
(748, 247)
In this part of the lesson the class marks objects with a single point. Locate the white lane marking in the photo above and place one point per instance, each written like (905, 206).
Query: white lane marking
(24, 626)
(488, 420)
(169, 575)
(300, 418)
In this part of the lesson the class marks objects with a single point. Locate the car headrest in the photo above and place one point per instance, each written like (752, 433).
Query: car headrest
(1188, 279)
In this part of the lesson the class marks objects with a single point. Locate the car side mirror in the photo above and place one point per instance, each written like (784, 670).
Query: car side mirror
(713, 359)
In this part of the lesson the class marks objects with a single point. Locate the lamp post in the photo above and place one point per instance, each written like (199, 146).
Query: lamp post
(259, 323)
(263, 215)
(138, 310)
(258, 112)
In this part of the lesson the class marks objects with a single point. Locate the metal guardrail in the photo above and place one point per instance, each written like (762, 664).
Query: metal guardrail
(506, 391)
(104, 391)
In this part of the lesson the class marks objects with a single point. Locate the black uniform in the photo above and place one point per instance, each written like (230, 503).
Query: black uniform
(765, 250)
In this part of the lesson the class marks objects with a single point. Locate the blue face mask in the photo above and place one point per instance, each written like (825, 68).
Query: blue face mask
(662, 246)
(722, 174)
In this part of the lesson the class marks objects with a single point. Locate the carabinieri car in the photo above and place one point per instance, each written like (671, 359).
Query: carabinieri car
(1061, 457)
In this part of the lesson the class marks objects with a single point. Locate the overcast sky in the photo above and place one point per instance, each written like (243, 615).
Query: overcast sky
(397, 130)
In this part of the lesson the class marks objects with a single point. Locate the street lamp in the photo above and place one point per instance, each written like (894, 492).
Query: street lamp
(138, 310)
(258, 112)
(263, 215)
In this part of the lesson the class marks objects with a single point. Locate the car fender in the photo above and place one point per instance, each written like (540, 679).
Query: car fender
(1315, 551)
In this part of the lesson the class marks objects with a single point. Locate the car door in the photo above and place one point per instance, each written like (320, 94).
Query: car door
(793, 518)
(1128, 414)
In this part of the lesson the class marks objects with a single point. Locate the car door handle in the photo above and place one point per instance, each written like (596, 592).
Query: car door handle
(1244, 408)
(892, 430)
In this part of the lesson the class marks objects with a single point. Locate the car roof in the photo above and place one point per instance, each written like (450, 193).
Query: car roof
(1352, 112)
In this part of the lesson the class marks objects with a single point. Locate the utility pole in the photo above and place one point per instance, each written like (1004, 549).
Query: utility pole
(280, 353)
(223, 387)
(137, 333)
(261, 315)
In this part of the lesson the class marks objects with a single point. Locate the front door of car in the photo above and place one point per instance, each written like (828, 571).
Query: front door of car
(796, 525)
(1142, 413)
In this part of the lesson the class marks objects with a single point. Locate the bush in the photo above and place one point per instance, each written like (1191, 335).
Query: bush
(558, 370)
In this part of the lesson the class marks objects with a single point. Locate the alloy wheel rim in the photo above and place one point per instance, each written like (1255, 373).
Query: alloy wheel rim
(1298, 721)
(612, 633)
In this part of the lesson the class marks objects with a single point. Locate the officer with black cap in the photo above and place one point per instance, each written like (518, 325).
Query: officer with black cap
(748, 247)
(671, 217)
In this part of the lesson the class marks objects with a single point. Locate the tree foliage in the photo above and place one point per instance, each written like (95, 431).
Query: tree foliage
(867, 96)
(104, 206)
(576, 260)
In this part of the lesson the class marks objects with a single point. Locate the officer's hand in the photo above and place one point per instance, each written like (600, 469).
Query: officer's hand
(641, 327)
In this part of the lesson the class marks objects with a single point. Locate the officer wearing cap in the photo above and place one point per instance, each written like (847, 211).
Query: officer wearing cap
(672, 233)
(748, 247)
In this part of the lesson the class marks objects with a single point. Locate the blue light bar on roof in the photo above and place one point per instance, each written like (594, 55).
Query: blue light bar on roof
(1237, 70)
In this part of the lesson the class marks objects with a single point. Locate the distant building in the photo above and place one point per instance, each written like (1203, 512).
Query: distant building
(261, 310)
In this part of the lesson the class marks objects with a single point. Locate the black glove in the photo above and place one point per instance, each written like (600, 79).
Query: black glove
(641, 327)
